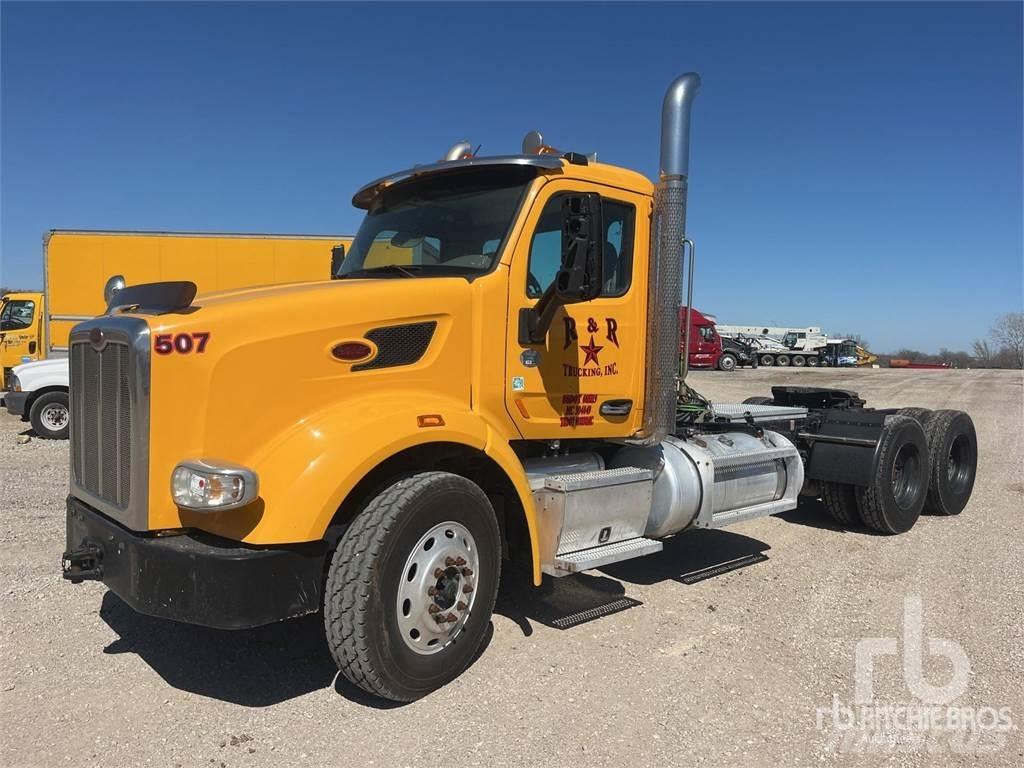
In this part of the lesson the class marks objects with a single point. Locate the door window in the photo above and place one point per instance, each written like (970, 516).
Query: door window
(546, 247)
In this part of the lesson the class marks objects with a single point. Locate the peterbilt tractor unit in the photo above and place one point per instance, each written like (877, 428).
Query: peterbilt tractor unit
(512, 393)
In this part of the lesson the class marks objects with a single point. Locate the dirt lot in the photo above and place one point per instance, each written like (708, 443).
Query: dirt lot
(726, 670)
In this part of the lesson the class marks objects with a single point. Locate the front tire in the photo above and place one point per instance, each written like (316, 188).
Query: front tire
(49, 416)
(727, 362)
(388, 638)
(896, 496)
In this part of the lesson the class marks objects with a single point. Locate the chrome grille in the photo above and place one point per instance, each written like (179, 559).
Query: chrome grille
(109, 367)
(101, 413)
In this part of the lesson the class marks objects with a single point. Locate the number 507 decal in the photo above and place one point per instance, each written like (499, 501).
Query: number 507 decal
(166, 343)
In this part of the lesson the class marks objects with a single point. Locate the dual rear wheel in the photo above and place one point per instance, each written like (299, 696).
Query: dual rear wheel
(927, 461)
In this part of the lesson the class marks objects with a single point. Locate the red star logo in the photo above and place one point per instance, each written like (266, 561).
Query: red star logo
(591, 351)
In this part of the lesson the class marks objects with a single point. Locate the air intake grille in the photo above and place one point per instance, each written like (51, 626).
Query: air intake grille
(398, 344)
(101, 415)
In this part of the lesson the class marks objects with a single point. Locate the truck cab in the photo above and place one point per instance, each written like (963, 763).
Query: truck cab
(20, 331)
(705, 344)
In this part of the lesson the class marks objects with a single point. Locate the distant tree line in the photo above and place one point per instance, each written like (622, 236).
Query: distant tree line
(1002, 348)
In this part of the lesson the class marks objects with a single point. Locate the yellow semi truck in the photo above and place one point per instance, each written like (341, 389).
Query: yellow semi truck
(82, 268)
(508, 389)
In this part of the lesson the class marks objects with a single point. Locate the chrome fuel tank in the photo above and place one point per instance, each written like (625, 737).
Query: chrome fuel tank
(712, 480)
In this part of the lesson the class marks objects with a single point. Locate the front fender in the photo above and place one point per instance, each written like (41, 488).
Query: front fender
(308, 470)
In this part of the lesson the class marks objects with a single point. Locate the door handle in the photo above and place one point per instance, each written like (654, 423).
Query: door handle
(616, 407)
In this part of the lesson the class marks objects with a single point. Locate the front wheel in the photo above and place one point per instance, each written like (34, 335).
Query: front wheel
(49, 416)
(727, 362)
(412, 584)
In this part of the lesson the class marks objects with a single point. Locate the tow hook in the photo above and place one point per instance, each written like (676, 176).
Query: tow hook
(83, 564)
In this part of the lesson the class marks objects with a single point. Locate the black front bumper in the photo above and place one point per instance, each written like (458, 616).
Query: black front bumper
(194, 577)
(15, 402)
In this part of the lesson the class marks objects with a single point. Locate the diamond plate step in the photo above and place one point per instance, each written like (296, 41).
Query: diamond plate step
(606, 554)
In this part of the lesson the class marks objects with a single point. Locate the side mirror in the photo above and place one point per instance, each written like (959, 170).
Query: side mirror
(337, 259)
(581, 275)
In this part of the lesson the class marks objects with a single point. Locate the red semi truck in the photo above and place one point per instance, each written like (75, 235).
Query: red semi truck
(708, 349)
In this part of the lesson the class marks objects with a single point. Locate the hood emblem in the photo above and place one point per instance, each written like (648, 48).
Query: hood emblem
(97, 339)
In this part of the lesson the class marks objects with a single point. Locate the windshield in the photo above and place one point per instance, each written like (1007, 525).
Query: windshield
(16, 314)
(451, 223)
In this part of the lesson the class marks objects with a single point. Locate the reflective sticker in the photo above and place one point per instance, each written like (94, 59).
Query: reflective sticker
(518, 383)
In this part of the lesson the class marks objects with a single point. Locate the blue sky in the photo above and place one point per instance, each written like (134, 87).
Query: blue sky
(857, 167)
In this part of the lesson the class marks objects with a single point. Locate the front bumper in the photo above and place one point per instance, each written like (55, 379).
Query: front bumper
(194, 577)
(15, 402)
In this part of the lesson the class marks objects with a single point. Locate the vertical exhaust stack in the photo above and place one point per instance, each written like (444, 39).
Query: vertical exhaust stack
(666, 269)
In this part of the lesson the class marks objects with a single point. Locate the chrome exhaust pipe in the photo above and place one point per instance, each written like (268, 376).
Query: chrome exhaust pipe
(668, 232)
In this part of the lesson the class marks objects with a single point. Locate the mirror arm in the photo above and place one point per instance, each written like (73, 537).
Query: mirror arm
(535, 321)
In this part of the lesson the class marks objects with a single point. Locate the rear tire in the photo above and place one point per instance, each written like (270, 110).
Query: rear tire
(812, 361)
(50, 417)
(378, 626)
(782, 361)
(727, 362)
(920, 414)
(840, 499)
(798, 361)
(952, 461)
(896, 496)
(767, 360)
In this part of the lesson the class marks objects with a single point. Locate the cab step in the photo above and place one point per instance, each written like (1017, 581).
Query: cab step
(606, 554)
(590, 519)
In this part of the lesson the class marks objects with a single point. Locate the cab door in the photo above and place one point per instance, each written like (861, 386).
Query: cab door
(586, 379)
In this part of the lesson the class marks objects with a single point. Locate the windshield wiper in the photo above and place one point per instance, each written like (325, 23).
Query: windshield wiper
(405, 271)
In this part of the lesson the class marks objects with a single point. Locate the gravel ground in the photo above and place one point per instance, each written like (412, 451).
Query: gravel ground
(727, 670)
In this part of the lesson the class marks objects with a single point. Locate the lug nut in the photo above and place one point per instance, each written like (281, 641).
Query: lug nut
(460, 561)
(452, 618)
(461, 606)
(438, 573)
(441, 618)
(467, 572)
(431, 591)
(467, 588)
(449, 561)
(433, 609)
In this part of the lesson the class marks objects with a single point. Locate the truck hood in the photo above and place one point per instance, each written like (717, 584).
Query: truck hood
(51, 367)
(239, 371)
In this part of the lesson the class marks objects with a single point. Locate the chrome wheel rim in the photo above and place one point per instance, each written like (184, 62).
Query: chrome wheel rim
(438, 588)
(54, 417)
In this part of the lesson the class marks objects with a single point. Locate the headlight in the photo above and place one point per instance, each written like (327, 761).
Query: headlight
(204, 484)
(15, 384)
